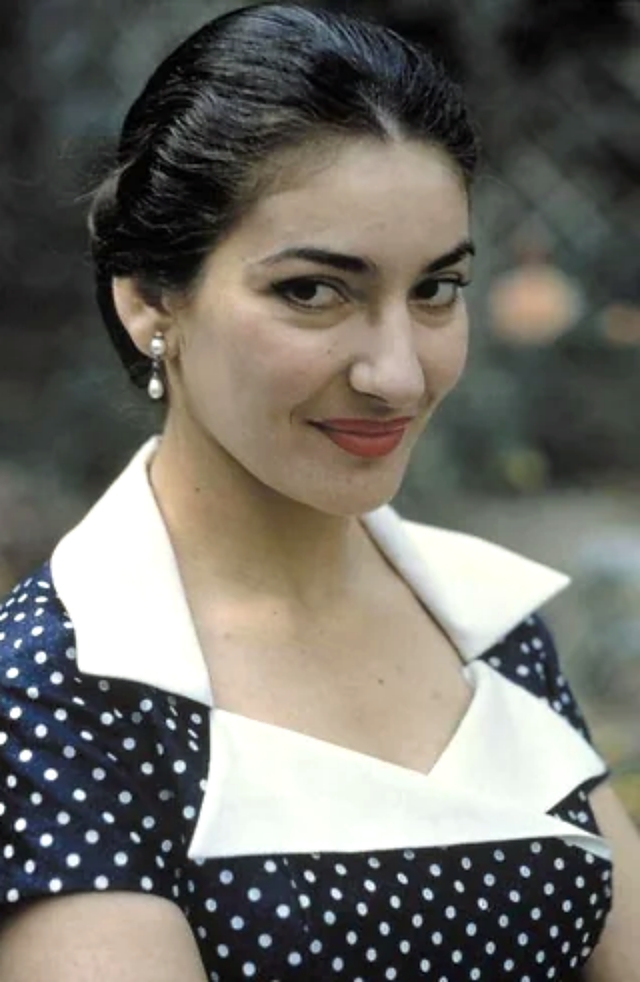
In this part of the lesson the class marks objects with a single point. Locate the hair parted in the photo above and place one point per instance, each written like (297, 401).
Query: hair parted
(203, 138)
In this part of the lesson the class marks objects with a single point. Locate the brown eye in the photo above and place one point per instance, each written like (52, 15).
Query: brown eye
(439, 294)
(309, 292)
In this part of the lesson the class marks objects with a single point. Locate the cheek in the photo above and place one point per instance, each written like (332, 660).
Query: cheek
(445, 356)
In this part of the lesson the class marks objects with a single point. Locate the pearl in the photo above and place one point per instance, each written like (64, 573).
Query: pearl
(158, 346)
(155, 387)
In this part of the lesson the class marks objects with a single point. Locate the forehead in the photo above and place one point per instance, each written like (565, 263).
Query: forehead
(366, 196)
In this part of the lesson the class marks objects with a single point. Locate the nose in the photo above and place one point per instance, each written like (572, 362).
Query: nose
(388, 368)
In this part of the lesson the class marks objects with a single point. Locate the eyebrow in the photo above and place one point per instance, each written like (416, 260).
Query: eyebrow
(355, 264)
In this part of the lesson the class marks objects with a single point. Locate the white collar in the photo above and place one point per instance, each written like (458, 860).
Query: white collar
(117, 576)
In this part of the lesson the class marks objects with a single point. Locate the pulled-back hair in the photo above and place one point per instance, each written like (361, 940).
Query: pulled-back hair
(203, 139)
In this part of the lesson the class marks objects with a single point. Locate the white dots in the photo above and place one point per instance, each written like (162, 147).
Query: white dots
(73, 860)
(523, 939)
(265, 940)
(98, 773)
(15, 712)
(503, 921)
(370, 886)
(405, 947)
(121, 859)
(498, 855)
(248, 969)
(61, 715)
(295, 958)
(20, 824)
(471, 929)
(435, 870)
(567, 906)
(55, 885)
(36, 631)
(514, 896)
(283, 911)
(458, 886)
(146, 883)
(101, 882)
(385, 928)
(489, 879)
(91, 836)
(63, 818)
(226, 877)
(362, 909)
(542, 955)
(315, 947)
(525, 872)
(108, 818)
(56, 678)
(428, 894)
(395, 902)
(270, 866)
(340, 869)
(337, 964)
(336, 894)
(450, 913)
(129, 743)
(237, 923)
(352, 938)
(475, 974)
(69, 752)
(490, 947)
(535, 847)
(13, 896)
(559, 863)
(554, 931)
(417, 920)
(391, 973)
(371, 954)
(329, 917)
(179, 766)
(210, 905)
(148, 822)
(509, 965)
(146, 705)
(436, 937)
(46, 840)
(147, 768)
(456, 957)
(30, 866)
(107, 719)
(33, 692)
(536, 914)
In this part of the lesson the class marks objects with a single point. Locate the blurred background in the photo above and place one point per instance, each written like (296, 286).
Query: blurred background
(539, 449)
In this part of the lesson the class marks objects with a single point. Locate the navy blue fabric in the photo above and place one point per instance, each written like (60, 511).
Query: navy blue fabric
(101, 782)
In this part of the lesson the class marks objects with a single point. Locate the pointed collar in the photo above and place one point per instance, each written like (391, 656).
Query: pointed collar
(117, 576)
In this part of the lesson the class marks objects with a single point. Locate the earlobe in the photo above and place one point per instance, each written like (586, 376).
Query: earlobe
(141, 319)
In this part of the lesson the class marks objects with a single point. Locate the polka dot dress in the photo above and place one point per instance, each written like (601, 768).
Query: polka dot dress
(101, 785)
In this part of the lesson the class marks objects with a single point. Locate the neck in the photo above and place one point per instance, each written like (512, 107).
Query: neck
(234, 533)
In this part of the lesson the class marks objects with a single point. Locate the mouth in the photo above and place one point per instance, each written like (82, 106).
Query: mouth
(364, 437)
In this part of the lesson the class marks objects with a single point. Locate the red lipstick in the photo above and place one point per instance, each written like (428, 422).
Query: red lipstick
(365, 437)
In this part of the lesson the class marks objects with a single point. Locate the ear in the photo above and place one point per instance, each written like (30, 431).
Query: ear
(141, 318)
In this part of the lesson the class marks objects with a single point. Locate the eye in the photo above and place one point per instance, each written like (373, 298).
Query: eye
(309, 292)
(439, 294)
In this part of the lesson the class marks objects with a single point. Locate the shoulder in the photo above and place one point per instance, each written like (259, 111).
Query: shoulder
(36, 634)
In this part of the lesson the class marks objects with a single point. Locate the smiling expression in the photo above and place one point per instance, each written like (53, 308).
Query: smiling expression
(327, 326)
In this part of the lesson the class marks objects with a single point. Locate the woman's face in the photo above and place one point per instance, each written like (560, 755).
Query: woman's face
(329, 324)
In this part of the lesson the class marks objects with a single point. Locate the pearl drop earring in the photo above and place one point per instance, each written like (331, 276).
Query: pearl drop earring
(157, 349)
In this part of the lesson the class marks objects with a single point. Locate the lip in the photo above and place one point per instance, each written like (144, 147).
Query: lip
(365, 427)
(365, 438)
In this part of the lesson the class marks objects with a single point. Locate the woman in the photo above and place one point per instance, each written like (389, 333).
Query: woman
(255, 724)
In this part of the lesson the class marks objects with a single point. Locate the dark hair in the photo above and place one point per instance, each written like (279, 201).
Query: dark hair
(212, 119)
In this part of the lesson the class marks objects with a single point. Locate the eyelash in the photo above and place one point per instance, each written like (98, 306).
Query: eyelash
(284, 288)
